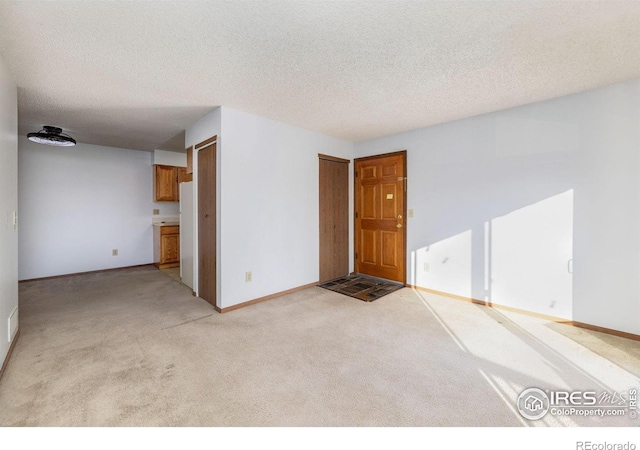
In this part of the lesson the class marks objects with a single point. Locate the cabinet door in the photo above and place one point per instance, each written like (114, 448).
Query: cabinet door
(170, 248)
(183, 176)
(165, 184)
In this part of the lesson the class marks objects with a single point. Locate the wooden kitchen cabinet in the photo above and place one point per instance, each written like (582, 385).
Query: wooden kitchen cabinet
(190, 160)
(166, 180)
(165, 183)
(184, 176)
(166, 246)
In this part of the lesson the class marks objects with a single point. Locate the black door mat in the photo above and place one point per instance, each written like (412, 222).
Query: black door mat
(361, 287)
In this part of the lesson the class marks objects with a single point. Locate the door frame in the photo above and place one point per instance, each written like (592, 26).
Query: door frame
(356, 239)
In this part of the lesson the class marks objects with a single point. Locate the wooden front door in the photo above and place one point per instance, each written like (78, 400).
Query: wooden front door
(334, 217)
(207, 223)
(380, 211)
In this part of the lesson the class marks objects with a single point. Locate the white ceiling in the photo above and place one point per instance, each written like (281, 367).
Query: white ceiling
(135, 74)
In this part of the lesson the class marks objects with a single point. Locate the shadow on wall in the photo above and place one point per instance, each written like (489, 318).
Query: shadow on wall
(523, 259)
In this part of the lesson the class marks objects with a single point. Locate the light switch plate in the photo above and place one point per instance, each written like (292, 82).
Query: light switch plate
(410, 213)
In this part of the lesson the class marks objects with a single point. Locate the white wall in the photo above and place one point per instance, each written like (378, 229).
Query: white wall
(78, 203)
(169, 158)
(268, 205)
(507, 204)
(8, 205)
(208, 126)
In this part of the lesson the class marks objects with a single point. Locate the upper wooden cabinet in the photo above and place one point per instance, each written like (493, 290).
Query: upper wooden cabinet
(183, 175)
(190, 160)
(165, 183)
(166, 180)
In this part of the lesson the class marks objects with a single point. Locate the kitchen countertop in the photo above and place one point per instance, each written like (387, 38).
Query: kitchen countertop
(166, 224)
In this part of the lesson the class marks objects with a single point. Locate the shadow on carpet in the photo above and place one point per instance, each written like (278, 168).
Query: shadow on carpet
(361, 287)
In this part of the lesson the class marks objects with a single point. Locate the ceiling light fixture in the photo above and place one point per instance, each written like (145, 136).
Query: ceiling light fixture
(52, 136)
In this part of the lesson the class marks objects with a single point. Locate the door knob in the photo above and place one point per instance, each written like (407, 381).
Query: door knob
(399, 217)
(206, 215)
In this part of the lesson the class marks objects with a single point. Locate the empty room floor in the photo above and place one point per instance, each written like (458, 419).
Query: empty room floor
(133, 347)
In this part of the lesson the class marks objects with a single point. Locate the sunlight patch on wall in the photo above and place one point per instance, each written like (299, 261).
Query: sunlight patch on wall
(446, 265)
(531, 257)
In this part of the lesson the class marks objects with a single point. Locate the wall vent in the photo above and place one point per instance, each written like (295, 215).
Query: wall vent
(13, 324)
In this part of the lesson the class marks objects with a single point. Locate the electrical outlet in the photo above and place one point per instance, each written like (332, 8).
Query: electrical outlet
(156, 212)
(247, 277)
(426, 267)
(114, 252)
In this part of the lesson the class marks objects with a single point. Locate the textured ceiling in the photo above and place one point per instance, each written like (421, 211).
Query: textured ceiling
(136, 74)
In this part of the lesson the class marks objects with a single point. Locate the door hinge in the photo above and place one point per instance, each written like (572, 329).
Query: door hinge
(356, 214)
(356, 256)
(356, 174)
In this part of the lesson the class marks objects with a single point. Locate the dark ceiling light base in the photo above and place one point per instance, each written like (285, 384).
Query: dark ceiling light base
(52, 136)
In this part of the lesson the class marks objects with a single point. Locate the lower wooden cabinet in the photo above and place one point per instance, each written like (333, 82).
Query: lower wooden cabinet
(166, 246)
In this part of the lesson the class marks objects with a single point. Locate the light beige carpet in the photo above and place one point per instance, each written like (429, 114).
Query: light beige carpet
(132, 347)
